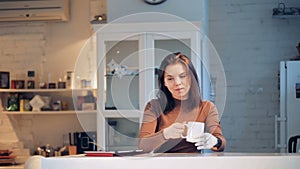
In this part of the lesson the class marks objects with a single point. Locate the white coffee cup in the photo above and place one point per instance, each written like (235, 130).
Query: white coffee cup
(194, 131)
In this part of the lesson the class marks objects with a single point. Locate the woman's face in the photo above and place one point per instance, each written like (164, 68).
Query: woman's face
(178, 81)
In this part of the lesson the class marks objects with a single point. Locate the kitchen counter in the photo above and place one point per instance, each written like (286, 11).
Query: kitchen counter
(174, 161)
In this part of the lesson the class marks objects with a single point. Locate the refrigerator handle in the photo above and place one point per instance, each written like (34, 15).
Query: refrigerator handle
(278, 123)
(276, 132)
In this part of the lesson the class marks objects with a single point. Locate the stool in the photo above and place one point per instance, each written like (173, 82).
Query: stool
(292, 144)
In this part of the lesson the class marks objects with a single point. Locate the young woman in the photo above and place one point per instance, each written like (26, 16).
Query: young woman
(178, 102)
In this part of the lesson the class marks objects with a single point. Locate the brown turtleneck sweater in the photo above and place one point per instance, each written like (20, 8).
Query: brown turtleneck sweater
(154, 121)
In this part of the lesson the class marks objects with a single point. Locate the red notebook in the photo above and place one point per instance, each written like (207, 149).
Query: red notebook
(99, 153)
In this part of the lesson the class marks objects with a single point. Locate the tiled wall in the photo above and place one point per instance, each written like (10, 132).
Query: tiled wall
(250, 44)
(50, 49)
(23, 47)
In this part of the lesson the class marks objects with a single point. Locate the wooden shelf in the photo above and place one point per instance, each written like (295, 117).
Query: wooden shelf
(42, 90)
(53, 91)
(66, 112)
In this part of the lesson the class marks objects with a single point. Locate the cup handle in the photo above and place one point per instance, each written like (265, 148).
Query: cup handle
(182, 136)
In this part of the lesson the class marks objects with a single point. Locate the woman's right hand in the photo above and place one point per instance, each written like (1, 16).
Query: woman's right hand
(174, 131)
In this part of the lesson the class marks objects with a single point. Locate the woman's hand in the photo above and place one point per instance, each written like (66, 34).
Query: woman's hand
(206, 141)
(173, 131)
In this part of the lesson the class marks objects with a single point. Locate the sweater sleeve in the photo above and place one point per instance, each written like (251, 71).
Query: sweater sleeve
(149, 139)
(213, 125)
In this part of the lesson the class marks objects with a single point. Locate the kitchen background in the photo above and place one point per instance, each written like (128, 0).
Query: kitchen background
(249, 41)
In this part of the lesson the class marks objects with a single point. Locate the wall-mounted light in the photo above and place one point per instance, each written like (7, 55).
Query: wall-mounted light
(98, 19)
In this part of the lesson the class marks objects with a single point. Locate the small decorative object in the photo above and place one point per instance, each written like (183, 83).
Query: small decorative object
(121, 71)
(30, 84)
(282, 10)
(80, 101)
(87, 102)
(13, 102)
(43, 85)
(85, 83)
(116, 69)
(27, 106)
(70, 79)
(52, 85)
(24, 105)
(4, 80)
(64, 105)
(112, 66)
(88, 106)
(17, 84)
(61, 85)
(47, 101)
(37, 103)
(56, 105)
(30, 81)
(279, 10)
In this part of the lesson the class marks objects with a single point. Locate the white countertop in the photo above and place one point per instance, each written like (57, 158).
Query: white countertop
(12, 167)
(175, 161)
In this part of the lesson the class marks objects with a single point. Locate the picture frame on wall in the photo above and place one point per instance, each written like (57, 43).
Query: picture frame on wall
(4, 80)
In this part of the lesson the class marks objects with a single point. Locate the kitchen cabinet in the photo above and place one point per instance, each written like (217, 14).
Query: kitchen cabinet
(128, 55)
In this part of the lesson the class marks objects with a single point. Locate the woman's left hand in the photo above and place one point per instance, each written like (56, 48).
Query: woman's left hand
(206, 141)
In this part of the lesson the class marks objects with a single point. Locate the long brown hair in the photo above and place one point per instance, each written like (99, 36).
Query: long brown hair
(165, 97)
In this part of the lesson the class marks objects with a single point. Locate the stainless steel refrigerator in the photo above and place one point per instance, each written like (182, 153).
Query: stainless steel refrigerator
(287, 123)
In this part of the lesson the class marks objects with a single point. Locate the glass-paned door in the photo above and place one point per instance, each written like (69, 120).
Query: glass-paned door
(120, 73)
(119, 90)
(172, 42)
